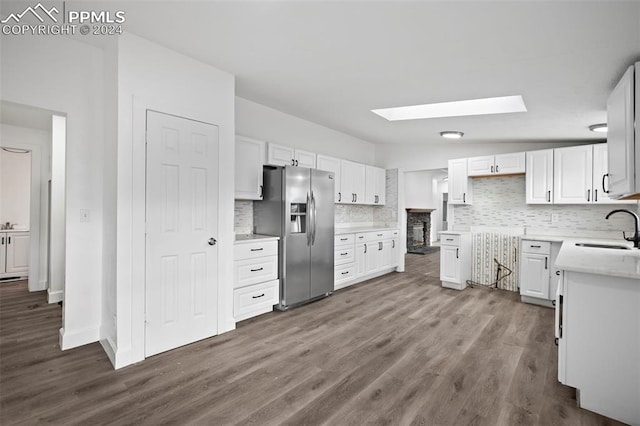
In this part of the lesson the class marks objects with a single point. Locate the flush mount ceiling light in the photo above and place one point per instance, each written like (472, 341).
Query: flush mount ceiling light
(499, 105)
(600, 128)
(451, 134)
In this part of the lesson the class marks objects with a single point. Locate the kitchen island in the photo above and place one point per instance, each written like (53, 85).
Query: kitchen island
(598, 328)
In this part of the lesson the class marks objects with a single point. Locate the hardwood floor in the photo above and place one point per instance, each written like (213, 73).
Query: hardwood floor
(396, 350)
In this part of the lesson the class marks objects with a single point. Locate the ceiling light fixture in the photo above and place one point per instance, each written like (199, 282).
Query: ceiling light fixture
(499, 105)
(449, 134)
(599, 128)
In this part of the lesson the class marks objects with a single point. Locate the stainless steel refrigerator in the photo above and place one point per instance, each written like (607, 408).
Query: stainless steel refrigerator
(298, 207)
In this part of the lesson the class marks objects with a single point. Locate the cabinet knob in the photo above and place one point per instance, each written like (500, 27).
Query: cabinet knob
(212, 241)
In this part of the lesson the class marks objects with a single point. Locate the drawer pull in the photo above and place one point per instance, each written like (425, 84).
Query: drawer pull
(258, 249)
(379, 235)
(536, 246)
(257, 297)
(361, 237)
(449, 239)
(343, 239)
(344, 254)
(345, 272)
(256, 270)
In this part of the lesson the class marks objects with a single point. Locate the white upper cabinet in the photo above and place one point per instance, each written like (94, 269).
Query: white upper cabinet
(507, 164)
(282, 155)
(352, 182)
(331, 164)
(621, 136)
(459, 188)
(539, 177)
(304, 158)
(248, 173)
(573, 175)
(600, 175)
(375, 185)
(490, 165)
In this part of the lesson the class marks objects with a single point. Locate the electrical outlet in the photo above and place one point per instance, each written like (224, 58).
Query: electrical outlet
(84, 215)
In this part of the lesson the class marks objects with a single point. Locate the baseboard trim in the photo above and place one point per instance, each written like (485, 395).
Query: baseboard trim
(55, 296)
(69, 340)
(110, 349)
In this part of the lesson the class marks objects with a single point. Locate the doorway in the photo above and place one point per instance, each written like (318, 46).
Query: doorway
(181, 294)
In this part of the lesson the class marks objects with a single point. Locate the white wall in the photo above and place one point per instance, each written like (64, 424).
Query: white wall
(60, 74)
(150, 76)
(15, 187)
(39, 142)
(436, 156)
(265, 123)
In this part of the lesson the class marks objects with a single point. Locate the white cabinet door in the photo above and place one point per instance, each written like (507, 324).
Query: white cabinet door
(248, 174)
(459, 188)
(600, 175)
(331, 164)
(395, 253)
(3, 252)
(375, 183)
(17, 246)
(353, 182)
(381, 193)
(620, 137)
(480, 166)
(506, 164)
(539, 177)
(384, 255)
(450, 264)
(572, 176)
(280, 155)
(534, 273)
(304, 158)
(361, 262)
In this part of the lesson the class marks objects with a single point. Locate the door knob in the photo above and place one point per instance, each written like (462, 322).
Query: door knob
(212, 241)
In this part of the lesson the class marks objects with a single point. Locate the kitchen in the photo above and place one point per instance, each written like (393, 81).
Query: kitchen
(104, 285)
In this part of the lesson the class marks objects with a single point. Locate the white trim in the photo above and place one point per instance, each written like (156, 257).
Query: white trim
(55, 296)
(78, 338)
(109, 349)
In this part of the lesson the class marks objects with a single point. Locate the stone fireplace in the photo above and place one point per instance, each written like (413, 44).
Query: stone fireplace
(418, 230)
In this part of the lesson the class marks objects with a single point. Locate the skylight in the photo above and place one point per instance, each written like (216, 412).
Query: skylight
(499, 105)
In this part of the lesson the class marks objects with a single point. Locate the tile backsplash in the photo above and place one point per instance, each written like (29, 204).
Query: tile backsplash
(500, 202)
(243, 217)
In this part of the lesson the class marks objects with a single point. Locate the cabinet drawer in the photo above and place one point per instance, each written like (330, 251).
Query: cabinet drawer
(251, 271)
(255, 298)
(541, 247)
(344, 239)
(395, 233)
(450, 240)
(253, 250)
(344, 255)
(374, 236)
(344, 274)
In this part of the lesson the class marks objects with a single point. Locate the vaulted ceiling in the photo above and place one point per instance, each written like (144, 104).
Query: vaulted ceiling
(331, 62)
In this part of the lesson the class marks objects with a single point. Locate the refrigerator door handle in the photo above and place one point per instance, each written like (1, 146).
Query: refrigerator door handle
(308, 220)
(313, 210)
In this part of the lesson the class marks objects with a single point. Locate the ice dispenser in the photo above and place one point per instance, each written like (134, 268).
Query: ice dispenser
(298, 218)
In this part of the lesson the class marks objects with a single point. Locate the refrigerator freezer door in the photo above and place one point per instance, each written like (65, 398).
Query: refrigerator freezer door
(296, 244)
(322, 250)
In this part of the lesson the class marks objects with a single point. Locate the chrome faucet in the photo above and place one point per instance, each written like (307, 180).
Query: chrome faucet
(636, 235)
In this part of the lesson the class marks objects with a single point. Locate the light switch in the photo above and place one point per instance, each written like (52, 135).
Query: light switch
(84, 215)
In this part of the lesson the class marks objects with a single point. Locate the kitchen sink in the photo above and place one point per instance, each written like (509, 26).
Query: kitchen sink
(607, 246)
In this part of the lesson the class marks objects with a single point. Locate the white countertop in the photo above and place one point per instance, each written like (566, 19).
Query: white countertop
(357, 229)
(599, 261)
(454, 232)
(248, 238)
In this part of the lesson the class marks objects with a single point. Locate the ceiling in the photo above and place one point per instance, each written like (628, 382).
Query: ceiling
(332, 62)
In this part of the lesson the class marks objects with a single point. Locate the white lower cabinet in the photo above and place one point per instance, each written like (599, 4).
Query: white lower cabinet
(374, 253)
(14, 253)
(256, 284)
(455, 259)
(538, 274)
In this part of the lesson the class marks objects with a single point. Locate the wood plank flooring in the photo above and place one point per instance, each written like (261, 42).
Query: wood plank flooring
(396, 350)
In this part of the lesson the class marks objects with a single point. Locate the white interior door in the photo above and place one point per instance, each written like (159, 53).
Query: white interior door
(182, 217)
